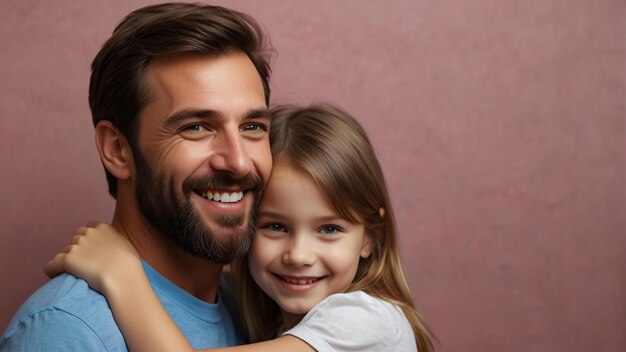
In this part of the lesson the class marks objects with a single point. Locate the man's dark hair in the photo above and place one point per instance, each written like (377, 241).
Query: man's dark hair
(117, 90)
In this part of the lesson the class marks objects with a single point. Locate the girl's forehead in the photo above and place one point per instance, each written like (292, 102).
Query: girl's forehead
(291, 188)
(284, 171)
(286, 175)
(287, 165)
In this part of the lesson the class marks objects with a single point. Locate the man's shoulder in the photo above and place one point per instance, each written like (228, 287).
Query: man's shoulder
(63, 303)
(65, 293)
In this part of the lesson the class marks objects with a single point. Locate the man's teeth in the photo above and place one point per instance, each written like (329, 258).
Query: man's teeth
(300, 281)
(222, 197)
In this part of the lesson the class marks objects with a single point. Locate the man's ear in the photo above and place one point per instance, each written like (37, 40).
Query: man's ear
(115, 152)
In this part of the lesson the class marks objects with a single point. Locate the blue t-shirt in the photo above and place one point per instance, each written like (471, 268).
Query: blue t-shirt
(67, 315)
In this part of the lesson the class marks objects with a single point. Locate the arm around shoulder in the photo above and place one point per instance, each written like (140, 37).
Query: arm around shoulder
(283, 343)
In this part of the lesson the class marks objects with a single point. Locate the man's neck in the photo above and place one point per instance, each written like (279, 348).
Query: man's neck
(197, 276)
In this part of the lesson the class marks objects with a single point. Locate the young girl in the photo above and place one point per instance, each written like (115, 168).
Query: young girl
(323, 273)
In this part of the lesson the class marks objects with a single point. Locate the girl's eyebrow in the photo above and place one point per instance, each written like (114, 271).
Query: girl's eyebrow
(271, 214)
(326, 218)
(332, 218)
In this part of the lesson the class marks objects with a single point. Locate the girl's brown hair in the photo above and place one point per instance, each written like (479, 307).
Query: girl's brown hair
(332, 147)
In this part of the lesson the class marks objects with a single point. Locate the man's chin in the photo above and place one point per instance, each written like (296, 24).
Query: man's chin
(222, 225)
(220, 247)
(218, 236)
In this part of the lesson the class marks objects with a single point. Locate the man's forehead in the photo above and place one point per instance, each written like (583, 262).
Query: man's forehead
(226, 84)
(172, 67)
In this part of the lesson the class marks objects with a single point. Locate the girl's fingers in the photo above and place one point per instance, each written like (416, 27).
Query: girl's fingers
(75, 239)
(93, 223)
(60, 263)
(55, 267)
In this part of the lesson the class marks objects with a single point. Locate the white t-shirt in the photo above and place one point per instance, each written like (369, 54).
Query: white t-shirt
(355, 321)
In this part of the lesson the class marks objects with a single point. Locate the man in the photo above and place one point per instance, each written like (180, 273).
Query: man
(179, 97)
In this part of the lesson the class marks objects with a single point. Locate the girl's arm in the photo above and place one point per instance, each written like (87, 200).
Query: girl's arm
(110, 264)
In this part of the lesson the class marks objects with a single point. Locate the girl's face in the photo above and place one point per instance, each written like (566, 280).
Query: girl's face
(304, 250)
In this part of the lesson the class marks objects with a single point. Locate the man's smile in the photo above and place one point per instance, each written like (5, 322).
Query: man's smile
(220, 196)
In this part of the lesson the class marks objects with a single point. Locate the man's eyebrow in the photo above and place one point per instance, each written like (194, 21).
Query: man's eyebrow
(258, 113)
(187, 114)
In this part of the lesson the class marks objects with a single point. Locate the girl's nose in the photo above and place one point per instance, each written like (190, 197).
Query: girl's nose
(299, 252)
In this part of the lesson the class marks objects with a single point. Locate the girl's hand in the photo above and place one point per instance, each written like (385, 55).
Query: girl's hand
(99, 255)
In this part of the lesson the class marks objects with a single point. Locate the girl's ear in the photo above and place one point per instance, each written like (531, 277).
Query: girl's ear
(368, 246)
(115, 152)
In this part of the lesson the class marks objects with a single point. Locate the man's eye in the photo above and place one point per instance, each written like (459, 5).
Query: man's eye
(194, 128)
(329, 230)
(254, 127)
(276, 227)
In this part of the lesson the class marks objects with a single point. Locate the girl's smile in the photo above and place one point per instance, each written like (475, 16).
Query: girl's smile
(299, 284)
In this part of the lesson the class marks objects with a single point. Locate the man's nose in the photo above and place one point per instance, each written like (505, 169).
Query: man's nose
(300, 251)
(230, 154)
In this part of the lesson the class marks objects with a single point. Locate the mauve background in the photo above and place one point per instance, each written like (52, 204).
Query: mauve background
(501, 126)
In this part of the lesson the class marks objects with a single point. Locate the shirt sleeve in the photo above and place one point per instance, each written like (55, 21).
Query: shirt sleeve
(350, 322)
(52, 330)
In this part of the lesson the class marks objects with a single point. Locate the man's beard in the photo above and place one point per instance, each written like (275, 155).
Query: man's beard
(179, 222)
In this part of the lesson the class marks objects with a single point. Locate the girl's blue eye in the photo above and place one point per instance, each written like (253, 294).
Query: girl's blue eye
(276, 227)
(329, 230)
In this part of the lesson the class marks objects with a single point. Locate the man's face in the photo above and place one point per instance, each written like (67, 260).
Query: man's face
(203, 155)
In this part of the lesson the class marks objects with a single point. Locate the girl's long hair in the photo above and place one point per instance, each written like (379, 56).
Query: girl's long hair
(333, 148)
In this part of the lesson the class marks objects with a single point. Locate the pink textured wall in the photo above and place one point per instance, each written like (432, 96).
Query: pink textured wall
(501, 126)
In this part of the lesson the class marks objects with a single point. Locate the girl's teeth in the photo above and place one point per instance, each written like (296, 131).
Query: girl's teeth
(301, 282)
